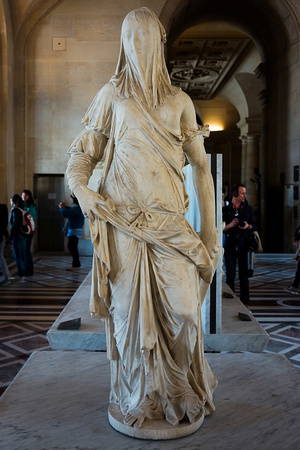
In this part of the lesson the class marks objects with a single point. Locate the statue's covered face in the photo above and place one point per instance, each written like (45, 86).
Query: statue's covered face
(141, 71)
(140, 41)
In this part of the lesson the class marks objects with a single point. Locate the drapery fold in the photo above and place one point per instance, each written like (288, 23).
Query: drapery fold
(151, 270)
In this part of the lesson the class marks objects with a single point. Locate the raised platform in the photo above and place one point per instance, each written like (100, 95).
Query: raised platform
(59, 401)
(236, 335)
(90, 336)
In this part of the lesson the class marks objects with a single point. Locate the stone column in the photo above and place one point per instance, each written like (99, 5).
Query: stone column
(252, 164)
(243, 138)
(7, 158)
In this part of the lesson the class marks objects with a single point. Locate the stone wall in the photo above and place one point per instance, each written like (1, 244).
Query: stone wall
(70, 54)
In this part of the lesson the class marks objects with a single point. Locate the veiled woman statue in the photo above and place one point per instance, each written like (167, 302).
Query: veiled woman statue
(150, 269)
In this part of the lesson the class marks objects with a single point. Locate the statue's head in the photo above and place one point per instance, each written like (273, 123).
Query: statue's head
(141, 70)
(142, 36)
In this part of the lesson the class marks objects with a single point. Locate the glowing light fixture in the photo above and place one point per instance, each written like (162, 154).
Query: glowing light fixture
(216, 127)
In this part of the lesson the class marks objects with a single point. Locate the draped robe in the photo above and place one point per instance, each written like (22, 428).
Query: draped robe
(150, 269)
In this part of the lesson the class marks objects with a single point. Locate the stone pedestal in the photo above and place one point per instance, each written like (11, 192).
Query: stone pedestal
(236, 336)
(155, 430)
(59, 401)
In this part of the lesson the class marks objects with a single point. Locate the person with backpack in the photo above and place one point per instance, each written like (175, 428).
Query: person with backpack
(74, 227)
(31, 209)
(3, 237)
(17, 234)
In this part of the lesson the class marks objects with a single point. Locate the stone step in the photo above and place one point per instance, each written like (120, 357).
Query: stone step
(59, 401)
(236, 335)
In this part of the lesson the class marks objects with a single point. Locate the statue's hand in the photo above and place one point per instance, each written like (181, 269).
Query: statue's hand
(92, 203)
(212, 244)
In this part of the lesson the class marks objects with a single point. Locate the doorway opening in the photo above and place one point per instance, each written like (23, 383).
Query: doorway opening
(219, 66)
(49, 190)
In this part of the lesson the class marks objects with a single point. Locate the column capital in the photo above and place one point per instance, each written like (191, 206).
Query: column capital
(252, 137)
(254, 124)
(244, 139)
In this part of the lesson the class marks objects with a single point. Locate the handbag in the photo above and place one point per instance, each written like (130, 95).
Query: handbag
(254, 243)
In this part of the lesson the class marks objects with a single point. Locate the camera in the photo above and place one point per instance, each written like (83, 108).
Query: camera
(242, 223)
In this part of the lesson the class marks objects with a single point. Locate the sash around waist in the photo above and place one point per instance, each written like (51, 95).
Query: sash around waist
(152, 215)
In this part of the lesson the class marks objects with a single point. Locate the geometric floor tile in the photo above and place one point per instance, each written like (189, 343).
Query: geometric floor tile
(279, 346)
(27, 310)
(16, 348)
(284, 339)
(9, 330)
(269, 299)
(28, 344)
(273, 306)
(4, 355)
(8, 371)
(44, 295)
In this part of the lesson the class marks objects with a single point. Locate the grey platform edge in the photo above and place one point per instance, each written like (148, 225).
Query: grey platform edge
(59, 401)
(236, 335)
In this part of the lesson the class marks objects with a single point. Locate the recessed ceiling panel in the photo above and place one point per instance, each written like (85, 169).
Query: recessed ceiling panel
(199, 65)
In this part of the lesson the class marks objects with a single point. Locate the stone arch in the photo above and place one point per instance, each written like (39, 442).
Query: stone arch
(278, 17)
(274, 28)
(249, 83)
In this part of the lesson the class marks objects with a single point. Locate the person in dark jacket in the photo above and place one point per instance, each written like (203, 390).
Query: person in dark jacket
(239, 224)
(17, 234)
(30, 207)
(3, 237)
(74, 227)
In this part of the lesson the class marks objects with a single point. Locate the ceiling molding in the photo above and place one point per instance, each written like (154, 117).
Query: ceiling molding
(200, 66)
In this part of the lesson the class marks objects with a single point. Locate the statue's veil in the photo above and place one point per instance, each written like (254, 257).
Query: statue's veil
(129, 79)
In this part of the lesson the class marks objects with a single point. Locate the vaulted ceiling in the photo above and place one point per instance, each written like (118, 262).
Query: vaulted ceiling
(203, 57)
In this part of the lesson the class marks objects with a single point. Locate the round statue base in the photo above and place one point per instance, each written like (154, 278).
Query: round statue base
(155, 429)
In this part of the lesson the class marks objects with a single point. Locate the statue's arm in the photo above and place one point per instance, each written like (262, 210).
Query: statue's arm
(203, 182)
(88, 149)
(85, 152)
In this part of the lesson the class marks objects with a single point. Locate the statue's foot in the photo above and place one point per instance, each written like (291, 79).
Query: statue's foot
(150, 409)
(135, 418)
(185, 408)
(194, 408)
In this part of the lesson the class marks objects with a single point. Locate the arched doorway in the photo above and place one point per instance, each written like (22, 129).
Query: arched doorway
(217, 65)
(272, 35)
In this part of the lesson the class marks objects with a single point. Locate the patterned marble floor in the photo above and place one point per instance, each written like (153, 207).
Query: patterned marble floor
(277, 310)
(28, 309)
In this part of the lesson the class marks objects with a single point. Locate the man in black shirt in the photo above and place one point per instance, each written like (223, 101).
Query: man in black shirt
(239, 223)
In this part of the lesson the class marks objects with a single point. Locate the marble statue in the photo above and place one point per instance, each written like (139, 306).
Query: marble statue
(151, 270)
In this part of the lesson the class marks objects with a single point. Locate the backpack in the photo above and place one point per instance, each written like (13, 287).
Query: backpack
(28, 226)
